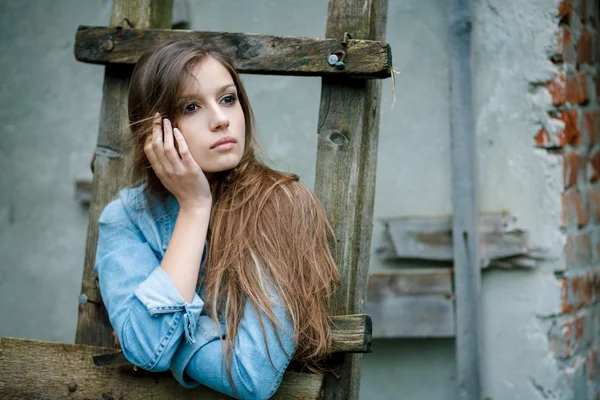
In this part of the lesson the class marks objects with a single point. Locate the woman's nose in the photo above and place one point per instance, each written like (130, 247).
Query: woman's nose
(219, 120)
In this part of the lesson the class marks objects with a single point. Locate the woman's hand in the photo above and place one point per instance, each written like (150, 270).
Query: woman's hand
(178, 171)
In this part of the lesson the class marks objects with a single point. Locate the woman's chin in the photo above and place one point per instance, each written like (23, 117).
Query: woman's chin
(221, 167)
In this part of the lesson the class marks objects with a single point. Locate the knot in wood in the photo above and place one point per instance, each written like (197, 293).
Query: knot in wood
(338, 138)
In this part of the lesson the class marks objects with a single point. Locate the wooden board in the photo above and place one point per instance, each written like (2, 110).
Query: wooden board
(32, 369)
(110, 174)
(411, 303)
(430, 238)
(253, 53)
(348, 130)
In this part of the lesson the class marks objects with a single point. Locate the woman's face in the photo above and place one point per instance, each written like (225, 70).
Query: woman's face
(212, 120)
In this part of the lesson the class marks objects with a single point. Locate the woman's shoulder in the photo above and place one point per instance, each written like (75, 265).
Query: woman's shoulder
(128, 202)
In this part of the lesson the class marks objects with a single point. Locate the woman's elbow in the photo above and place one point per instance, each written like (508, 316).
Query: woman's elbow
(142, 350)
(259, 380)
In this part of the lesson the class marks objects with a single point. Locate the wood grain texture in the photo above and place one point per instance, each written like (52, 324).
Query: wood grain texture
(430, 238)
(349, 334)
(110, 175)
(32, 369)
(411, 303)
(348, 132)
(253, 53)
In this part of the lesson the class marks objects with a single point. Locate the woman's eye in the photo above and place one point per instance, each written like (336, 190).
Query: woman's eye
(229, 99)
(190, 108)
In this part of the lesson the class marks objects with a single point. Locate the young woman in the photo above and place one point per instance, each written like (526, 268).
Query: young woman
(212, 264)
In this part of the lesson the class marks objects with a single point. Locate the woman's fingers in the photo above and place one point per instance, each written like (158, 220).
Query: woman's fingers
(151, 155)
(184, 151)
(158, 144)
(170, 150)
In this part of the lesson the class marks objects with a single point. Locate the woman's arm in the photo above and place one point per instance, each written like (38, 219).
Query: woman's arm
(259, 358)
(184, 252)
(152, 306)
(145, 306)
(181, 176)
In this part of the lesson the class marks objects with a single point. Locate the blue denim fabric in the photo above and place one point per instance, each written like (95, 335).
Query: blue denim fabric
(157, 329)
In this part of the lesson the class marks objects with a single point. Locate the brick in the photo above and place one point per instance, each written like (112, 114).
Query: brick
(575, 169)
(590, 129)
(580, 9)
(592, 361)
(579, 290)
(571, 334)
(574, 209)
(565, 51)
(576, 88)
(593, 198)
(595, 162)
(571, 134)
(542, 139)
(558, 89)
(565, 9)
(560, 131)
(584, 48)
(577, 252)
(593, 365)
(595, 239)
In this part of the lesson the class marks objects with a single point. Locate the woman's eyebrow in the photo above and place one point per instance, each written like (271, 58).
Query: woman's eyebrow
(226, 87)
(219, 90)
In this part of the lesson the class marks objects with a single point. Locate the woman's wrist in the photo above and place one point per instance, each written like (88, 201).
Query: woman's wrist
(196, 208)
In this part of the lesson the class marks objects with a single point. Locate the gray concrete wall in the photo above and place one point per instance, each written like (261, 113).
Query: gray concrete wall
(50, 107)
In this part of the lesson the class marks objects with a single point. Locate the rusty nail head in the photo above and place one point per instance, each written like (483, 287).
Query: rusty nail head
(72, 386)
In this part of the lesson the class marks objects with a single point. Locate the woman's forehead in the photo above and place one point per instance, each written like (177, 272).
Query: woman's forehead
(206, 77)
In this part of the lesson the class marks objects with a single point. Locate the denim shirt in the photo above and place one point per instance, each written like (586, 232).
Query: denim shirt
(157, 329)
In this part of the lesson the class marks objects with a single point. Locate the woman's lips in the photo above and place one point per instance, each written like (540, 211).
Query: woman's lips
(225, 143)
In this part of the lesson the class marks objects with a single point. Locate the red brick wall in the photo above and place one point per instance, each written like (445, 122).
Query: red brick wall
(574, 336)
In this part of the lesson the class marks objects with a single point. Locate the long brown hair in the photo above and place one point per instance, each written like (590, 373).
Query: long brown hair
(265, 226)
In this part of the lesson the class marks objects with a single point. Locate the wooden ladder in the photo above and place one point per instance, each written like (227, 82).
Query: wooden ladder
(345, 183)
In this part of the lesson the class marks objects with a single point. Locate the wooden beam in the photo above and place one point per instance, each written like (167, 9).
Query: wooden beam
(350, 334)
(348, 130)
(430, 238)
(253, 53)
(93, 327)
(31, 369)
(414, 303)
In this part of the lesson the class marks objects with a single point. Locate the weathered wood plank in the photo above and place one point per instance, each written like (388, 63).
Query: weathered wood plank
(411, 303)
(430, 238)
(407, 282)
(253, 53)
(349, 334)
(348, 131)
(31, 369)
(110, 175)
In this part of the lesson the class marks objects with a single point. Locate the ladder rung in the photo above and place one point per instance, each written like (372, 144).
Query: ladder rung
(253, 53)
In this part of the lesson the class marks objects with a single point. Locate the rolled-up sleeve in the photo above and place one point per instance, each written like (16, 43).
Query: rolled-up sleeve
(145, 308)
(258, 361)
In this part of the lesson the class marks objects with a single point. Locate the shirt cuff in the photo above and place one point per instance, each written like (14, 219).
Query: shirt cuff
(160, 296)
(206, 332)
